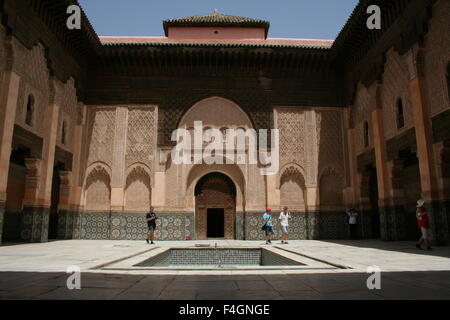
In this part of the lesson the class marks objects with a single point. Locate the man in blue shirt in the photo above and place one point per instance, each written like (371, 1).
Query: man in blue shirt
(151, 217)
(267, 216)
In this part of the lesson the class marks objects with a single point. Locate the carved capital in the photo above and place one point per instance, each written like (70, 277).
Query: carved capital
(33, 172)
(164, 155)
(66, 178)
(65, 182)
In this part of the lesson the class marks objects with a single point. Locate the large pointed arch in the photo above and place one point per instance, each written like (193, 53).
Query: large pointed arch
(216, 112)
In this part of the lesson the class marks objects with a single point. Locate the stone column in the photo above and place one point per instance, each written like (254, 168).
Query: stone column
(312, 157)
(380, 153)
(386, 220)
(352, 191)
(424, 138)
(442, 152)
(9, 91)
(32, 220)
(73, 213)
(64, 218)
(273, 194)
(422, 124)
(364, 205)
(159, 190)
(118, 166)
(392, 215)
(48, 155)
(39, 207)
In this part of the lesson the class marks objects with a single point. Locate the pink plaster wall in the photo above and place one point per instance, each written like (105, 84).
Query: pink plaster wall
(210, 33)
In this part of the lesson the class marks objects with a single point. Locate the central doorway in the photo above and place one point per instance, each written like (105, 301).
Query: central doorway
(215, 207)
(215, 223)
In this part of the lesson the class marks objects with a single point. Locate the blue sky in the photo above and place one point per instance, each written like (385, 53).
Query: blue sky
(315, 19)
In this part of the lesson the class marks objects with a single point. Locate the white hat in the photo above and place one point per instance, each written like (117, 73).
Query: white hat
(420, 203)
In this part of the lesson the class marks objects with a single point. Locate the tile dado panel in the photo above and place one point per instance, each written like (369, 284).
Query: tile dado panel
(35, 222)
(68, 225)
(2, 214)
(132, 226)
(303, 226)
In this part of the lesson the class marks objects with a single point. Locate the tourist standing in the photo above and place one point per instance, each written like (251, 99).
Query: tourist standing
(284, 218)
(424, 225)
(268, 225)
(151, 217)
(352, 215)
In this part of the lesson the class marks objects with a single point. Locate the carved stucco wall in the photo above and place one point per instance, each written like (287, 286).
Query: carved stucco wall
(139, 156)
(141, 136)
(31, 66)
(293, 162)
(100, 135)
(331, 140)
(331, 186)
(437, 56)
(219, 113)
(216, 112)
(364, 104)
(395, 85)
(123, 139)
(255, 103)
(291, 123)
(65, 96)
(311, 140)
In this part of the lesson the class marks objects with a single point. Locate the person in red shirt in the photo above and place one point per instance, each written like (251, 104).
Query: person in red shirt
(424, 225)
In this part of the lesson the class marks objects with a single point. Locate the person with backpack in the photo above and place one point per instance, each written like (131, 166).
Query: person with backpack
(268, 225)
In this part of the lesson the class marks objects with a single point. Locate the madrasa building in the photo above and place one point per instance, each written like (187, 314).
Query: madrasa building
(86, 125)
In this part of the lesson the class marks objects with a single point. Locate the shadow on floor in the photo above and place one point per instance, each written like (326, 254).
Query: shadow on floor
(319, 286)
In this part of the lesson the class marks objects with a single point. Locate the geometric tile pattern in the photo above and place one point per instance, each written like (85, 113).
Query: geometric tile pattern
(35, 223)
(392, 224)
(333, 226)
(439, 212)
(66, 221)
(134, 227)
(181, 226)
(122, 226)
(298, 228)
(323, 225)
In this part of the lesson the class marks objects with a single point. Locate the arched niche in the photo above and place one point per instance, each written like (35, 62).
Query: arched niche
(98, 189)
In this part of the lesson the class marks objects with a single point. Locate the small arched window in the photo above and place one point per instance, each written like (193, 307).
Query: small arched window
(400, 114)
(63, 132)
(223, 130)
(30, 111)
(366, 134)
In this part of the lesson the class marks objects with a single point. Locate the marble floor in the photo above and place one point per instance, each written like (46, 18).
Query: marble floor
(38, 271)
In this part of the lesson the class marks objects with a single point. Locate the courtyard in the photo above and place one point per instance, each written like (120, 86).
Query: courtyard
(333, 270)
